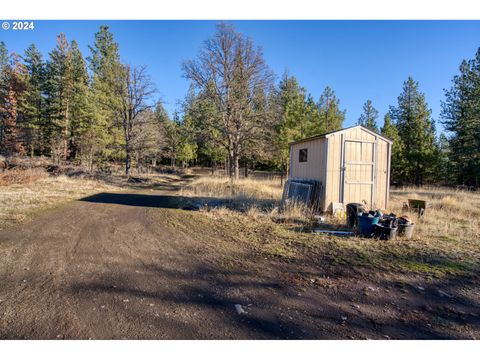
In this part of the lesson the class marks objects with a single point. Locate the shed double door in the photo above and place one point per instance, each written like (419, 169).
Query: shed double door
(358, 171)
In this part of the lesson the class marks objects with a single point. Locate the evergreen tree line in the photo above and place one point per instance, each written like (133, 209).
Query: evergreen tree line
(98, 110)
(92, 110)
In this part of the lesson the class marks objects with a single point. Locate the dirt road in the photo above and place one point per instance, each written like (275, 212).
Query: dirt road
(134, 266)
(113, 267)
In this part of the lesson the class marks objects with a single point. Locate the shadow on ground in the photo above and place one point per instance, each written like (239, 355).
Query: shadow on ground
(177, 201)
(151, 181)
(201, 304)
(142, 200)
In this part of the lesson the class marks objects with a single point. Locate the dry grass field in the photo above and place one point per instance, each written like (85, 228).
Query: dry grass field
(446, 240)
(26, 193)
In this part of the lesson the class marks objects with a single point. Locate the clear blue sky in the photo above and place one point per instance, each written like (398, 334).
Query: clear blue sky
(360, 60)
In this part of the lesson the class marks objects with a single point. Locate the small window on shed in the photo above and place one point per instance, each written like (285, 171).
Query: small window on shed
(302, 155)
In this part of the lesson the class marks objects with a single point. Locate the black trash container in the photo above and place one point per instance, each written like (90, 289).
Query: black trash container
(406, 230)
(383, 232)
(353, 210)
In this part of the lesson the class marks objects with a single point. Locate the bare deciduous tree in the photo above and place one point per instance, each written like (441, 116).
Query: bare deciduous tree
(135, 90)
(148, 139)
(234, 74)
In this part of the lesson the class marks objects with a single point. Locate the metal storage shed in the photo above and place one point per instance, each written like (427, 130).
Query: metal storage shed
(353, 165)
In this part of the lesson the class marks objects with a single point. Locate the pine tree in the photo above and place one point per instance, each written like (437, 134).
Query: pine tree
(172, 137)
(3, 55)
(86, 138)
(3, 84)
(298, 117)
(369, 116)
(314, 123)
(104, 62)
(417, 130)
(59, 93)
(34, 105)
(390, 131)
(209, 138)
(187, 151)
(331, 117)
(202, 111)
(461, 117)
(12, 92)
(293, 119)
(445, 172)
(180, 142)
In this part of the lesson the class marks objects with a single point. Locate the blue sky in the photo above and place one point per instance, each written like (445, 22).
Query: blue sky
(360, 60)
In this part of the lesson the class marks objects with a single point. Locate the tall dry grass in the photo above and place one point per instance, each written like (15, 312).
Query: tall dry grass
(246, 188)
(35, 191)
(451, 215)
(257, 198)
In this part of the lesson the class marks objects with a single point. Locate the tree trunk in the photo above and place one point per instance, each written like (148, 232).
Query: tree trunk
(236, 168)
(128, 159)
(90, 160)
(127, 164)
(65, 134)
(137, 160)
(246, 168)
(231, 164)
(417, 175)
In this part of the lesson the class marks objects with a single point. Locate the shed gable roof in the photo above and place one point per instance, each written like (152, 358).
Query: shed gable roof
(326, 135)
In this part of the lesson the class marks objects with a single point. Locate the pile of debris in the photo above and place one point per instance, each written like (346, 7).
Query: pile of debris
(390, 226)
(375, 224)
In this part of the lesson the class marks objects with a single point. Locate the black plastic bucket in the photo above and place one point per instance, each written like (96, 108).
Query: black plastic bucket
(406, 230)
(385, 232)
(353, 210)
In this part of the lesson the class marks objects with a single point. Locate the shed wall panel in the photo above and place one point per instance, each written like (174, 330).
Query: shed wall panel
(332, 189)
(314, 167)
